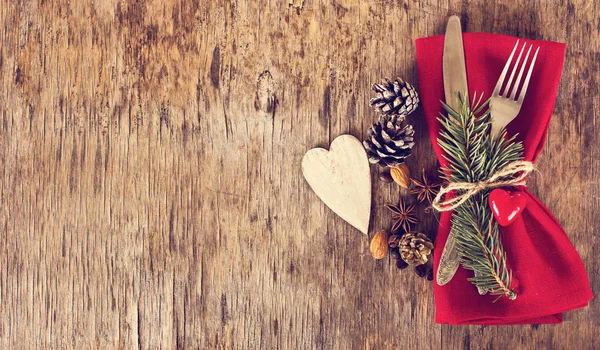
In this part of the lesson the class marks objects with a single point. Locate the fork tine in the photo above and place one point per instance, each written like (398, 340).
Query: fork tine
(504, 70)
(512, 74)
(526, 83)
(518, 81)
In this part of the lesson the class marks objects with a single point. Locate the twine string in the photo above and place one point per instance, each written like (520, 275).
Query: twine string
(517, 171)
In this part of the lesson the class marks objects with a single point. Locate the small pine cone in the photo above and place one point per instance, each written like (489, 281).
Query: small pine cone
(397, 97)
(415, 248)
(389, 141)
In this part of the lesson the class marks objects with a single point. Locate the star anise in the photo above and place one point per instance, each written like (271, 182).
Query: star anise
(424, 189)
(403, 216)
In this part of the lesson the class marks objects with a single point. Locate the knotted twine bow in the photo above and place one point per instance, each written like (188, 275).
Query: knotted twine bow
(521, 167)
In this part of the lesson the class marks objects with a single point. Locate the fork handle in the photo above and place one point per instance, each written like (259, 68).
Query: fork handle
(496, 127)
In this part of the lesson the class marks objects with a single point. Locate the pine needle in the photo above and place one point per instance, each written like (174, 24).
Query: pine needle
(474, 155)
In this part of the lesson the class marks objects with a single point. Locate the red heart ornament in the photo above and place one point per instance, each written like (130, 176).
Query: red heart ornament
(506, 206)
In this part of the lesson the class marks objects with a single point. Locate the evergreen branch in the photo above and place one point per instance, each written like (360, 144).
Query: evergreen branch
(474, 155)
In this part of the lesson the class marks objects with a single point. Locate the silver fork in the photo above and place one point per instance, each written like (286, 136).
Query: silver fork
(504, 107)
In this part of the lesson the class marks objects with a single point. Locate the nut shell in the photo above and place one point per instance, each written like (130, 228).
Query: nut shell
(394, 240)
(401, 175)
(379, 245)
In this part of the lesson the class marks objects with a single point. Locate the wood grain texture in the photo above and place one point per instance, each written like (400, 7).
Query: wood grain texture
(151, 194)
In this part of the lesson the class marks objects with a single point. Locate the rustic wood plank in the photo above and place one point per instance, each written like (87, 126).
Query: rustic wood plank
(151, 194)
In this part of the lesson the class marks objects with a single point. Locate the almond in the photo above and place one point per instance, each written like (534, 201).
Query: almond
(379, 244)
(401, 175)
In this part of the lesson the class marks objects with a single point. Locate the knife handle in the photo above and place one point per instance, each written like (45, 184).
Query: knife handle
(448, 261)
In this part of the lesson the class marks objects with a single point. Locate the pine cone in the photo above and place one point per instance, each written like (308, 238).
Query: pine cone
(389, 141)
(397, 97)
(415, 248)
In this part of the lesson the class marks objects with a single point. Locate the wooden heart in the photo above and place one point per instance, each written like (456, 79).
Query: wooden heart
(342, 179)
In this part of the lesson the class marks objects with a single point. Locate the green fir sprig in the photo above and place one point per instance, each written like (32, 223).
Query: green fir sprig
(474, 155)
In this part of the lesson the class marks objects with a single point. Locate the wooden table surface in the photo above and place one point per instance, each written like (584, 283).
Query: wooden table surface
(151, 194)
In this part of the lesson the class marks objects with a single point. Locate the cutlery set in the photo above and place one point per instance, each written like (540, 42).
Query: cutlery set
(504, 108)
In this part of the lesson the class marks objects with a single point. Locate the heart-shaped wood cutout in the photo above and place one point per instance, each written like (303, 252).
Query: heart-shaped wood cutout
(342, 179)
(506, 206)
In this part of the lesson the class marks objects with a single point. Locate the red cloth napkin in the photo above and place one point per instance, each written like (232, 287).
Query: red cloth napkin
(551, 276)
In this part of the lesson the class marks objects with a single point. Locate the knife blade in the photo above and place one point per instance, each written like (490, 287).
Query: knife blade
(455, 71)
(455, 80)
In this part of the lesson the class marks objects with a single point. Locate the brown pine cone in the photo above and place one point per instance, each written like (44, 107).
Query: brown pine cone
(415, 248)
(389, 141)
(395, 97)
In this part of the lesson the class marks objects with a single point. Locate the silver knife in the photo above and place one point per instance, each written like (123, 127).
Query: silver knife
(455, 80)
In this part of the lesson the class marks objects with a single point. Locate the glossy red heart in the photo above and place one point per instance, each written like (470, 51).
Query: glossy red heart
(506, 206)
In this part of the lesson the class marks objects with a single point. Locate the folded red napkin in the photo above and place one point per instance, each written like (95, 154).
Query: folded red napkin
(551, 276)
